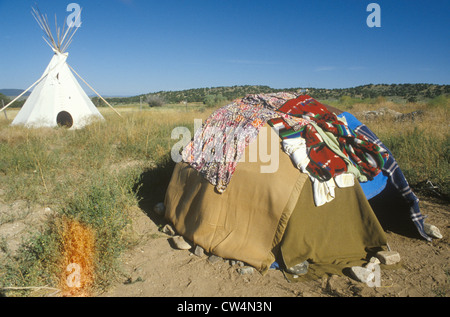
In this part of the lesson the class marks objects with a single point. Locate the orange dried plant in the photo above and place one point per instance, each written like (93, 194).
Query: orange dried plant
(78, 255)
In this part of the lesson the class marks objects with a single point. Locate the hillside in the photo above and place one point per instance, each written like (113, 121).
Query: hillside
(409, 92)
(13, 92)
(6, 95)
(412, 92)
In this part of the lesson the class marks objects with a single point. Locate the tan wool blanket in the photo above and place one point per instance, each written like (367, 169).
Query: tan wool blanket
(248, 222)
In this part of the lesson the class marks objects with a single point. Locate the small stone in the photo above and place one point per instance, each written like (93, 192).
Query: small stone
(180, 243)
(199, 251)
(214, 258)
(360, 273)
(246, 270)
(432, 231)
(388, 257)
(374, 260)
(240, 263)
(159, 209)
(299, 269)
(167, 229)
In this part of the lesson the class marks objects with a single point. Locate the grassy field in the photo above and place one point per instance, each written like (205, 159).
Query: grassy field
(421, 146)
(89, 176)
(92, 178)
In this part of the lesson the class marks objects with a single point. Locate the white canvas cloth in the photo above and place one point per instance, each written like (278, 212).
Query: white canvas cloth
(58, 91)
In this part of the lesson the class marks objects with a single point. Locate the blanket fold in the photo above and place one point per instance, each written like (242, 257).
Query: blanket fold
(245, 222)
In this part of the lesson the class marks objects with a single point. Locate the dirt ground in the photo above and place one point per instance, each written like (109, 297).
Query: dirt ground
(155, 268)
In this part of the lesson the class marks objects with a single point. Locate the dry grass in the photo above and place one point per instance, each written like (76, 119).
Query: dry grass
(434, 121)
(420, 146)
(78, 255)
(90, 177)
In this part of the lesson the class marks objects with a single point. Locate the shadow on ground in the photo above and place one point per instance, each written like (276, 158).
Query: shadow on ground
(393, 213)
(151, 188)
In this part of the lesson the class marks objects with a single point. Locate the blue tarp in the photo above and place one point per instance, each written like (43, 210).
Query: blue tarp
(374, 187)
(394, 176)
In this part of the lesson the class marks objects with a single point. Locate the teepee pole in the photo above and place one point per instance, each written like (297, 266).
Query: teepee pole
(6, 116)
(57, 30)
(39, 80)
(94, 91)
(71, 30)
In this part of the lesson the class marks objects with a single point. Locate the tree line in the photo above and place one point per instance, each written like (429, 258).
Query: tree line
(4, 100)
(211, 95)
(215, 95)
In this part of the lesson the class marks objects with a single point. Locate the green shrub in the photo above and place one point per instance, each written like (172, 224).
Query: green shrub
(214, 100)
(102, 205)
(442, 101)
(155, 101)
(422, 157)
(35, 264)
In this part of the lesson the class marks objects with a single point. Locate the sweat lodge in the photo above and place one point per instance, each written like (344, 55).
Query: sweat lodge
(326, 207)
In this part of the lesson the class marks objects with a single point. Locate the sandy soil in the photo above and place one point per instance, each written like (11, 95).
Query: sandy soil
(155, 268)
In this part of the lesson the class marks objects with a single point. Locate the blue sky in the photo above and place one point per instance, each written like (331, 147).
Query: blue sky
(130, 47)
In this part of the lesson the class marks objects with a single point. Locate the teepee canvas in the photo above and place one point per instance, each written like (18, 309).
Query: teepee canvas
(57, 99)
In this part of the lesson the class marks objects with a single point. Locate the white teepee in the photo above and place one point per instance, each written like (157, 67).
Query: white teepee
(58, 98)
